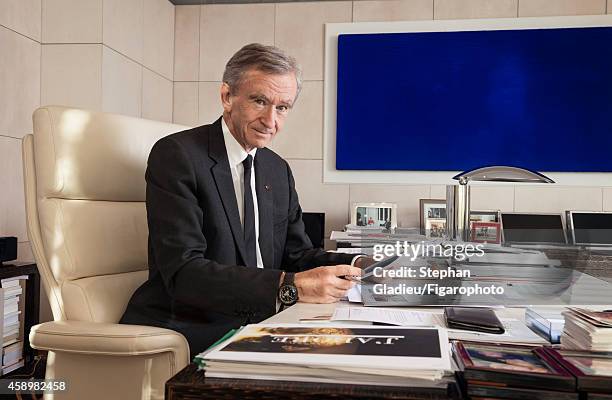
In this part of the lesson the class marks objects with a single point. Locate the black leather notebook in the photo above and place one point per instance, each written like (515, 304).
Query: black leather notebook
(473, 319)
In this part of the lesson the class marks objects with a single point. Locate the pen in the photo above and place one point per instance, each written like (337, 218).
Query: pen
(367, 271)
(380, 264)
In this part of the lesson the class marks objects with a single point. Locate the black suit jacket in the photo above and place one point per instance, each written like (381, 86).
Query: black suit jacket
(198, 284)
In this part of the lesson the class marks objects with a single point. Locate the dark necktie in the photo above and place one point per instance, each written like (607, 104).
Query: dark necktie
(249, 215)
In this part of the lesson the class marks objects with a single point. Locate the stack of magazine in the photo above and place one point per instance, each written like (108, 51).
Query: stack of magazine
(365, 355)
(365, 229)
(512, 372)
(12, 329)
(497, 371)
(587, 330)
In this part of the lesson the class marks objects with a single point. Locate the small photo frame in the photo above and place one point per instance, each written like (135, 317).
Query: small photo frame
(374, 215)
(484, 216)
(432, 217)
(435, 228)
(486, 232)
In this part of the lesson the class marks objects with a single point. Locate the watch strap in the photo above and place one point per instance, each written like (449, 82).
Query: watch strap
(289, 278)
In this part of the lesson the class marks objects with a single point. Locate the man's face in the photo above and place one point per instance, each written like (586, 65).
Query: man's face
(257, 109)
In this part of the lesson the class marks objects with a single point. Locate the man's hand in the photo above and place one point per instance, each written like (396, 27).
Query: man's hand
(323, 284)
(364, 262)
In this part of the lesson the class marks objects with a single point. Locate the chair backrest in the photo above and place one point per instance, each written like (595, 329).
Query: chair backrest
(85, 206)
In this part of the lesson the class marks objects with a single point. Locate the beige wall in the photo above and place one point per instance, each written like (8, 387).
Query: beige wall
(207, 35)
(151, 59)
(107, 55)
(20, 48)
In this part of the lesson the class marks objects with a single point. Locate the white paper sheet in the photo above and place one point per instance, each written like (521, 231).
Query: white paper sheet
(388, 316)
(354, 294)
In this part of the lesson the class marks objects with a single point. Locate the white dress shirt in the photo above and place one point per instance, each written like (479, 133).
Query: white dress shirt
(236, 155)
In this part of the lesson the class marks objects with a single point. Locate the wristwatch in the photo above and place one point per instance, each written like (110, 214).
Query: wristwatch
(287, 292)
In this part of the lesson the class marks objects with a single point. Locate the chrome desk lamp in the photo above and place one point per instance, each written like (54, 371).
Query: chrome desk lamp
(458, 196)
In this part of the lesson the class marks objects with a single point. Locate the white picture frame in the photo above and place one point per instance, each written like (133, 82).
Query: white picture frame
(374, 215)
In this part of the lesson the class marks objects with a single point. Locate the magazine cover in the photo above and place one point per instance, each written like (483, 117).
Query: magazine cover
(512, 365)
(592, 369)
(600, 319)
(388, 347)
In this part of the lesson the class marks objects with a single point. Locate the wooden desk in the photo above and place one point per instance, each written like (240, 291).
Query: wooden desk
(192, 384)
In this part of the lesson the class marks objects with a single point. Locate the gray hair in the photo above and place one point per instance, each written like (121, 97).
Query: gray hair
(267, 59)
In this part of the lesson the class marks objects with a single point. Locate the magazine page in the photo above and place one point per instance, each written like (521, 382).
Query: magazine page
(378, 347)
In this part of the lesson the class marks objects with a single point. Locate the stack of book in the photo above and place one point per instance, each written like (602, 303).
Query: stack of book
(495, 371)
(12, 336)
(587, 330)
(365, 355)
(365, 229)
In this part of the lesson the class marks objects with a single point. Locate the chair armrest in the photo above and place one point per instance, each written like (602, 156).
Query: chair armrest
(108, 339)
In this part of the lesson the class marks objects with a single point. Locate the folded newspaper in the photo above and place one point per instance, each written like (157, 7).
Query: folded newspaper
(369, 355)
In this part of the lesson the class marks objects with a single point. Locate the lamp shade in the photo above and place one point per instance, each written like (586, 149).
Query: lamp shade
(500, 173)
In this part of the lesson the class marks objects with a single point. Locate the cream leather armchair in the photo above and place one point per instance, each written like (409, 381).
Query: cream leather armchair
(86, 217)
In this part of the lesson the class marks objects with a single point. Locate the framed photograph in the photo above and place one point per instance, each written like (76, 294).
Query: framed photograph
(485, 232)
(374, 215)
(432, 217)
(435, 228)
(484, 216)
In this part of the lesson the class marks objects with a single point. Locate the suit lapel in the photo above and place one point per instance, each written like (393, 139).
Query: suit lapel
(264, 204)
(223, 179)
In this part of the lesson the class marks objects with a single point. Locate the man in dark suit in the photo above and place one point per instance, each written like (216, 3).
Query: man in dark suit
(227, 245)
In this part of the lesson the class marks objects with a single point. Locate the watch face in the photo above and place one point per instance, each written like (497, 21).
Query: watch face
(288, 294)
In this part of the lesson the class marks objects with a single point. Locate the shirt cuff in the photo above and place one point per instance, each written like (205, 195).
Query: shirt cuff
(356, 258)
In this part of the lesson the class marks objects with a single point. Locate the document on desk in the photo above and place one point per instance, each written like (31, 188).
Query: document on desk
(351, 250)
(354, 294)
(388, 316)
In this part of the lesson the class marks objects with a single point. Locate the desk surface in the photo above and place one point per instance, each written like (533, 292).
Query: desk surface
(192, 384)
(293, 314)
